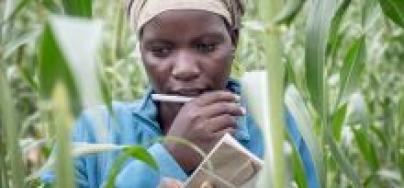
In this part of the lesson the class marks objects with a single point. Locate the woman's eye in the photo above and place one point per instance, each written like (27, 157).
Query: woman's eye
(206, 48)
(161, 52)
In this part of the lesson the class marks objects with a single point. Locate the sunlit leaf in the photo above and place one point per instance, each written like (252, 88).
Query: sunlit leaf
(64, 57)
(53, 67)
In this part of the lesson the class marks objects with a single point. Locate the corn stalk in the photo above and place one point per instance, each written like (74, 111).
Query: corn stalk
(274, 134)
(10, 127)
(63, 120)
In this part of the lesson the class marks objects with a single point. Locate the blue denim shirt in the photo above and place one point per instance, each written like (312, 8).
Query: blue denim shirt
(136, 123)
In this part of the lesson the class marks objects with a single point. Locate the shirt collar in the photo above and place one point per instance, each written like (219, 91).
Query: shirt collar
(147, 111)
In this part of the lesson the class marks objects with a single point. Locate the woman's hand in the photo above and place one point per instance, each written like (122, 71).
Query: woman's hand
(170, 183)
(203, 121)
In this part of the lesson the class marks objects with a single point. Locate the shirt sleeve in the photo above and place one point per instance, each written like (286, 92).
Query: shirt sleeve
(138, 174)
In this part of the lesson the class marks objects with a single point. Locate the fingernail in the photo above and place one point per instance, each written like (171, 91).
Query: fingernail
(243, 110)
(237, 97)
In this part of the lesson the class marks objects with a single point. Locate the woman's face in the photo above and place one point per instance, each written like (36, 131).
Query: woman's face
(187, 52)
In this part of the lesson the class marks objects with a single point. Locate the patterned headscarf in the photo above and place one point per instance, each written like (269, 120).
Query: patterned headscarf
(142, 11)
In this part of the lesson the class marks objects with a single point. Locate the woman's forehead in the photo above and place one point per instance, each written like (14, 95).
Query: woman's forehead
(184, 22)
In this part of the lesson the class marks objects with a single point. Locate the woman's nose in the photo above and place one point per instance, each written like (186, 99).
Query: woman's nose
(185, 67)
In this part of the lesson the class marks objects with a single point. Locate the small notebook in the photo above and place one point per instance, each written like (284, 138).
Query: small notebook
(228, 165)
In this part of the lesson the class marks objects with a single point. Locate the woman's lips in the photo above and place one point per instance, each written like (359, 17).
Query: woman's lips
(191, 92)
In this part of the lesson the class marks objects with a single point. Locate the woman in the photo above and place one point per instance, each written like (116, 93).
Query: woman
(187, 49)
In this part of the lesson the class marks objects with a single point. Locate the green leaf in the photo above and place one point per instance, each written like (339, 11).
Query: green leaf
(354, 64)
(140, 153)
(335, 25)
(366, 147)
(136, 152)
(64, 57)
(394, 9)
(53, 67)
(289, 12)
(79, 8)
(114, 171)
(343, 163)
(338, 119)
(318, 28)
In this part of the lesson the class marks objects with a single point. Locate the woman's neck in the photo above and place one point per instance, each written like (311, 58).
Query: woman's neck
(166, 115)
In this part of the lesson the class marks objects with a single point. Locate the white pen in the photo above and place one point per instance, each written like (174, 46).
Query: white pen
(174, 98)
(171, 98)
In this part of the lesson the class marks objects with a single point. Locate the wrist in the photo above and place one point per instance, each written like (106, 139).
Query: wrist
(185, 157)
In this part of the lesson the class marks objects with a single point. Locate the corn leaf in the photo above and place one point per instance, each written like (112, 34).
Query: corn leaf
(141, 154)
(136, 152)
(273, 173)
(335, 25)
(366, 147)
(63, 57)
(394, 9)
(79, 8)
(354, 64)
(318, 26)
(343, 163)
(297, 107)
(53, 67)
(338, 119)
(9, 125)
(289, 11)
(317, 32)
(274, 170)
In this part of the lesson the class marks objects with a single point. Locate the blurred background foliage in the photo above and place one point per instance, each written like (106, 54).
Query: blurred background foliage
(363, 75)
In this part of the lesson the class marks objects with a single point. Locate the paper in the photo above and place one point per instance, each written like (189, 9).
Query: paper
(228, 165)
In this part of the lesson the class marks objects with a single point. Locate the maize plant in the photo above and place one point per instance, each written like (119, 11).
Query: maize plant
(335, 65)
